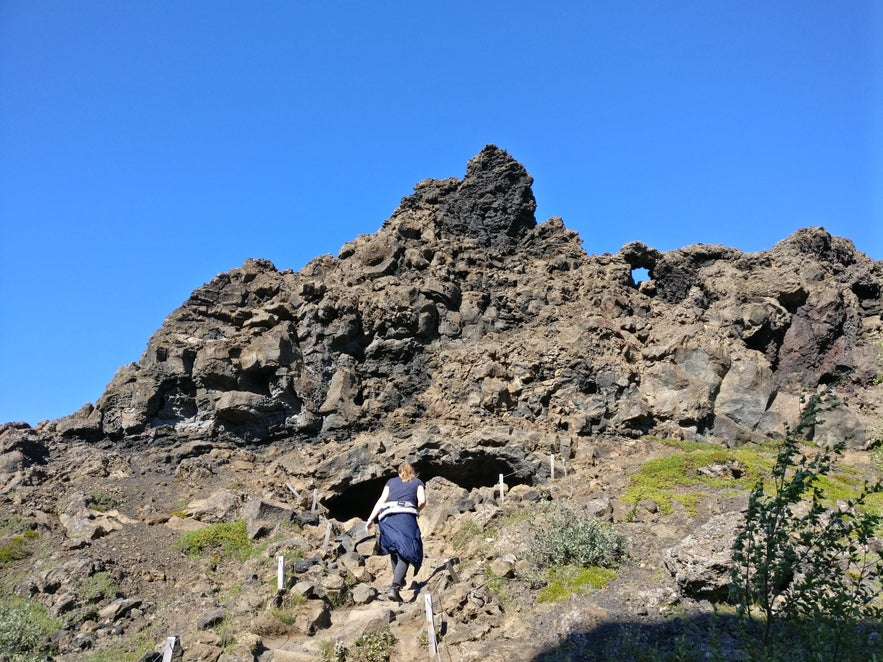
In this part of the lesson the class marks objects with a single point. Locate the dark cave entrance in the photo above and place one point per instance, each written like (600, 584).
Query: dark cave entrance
(469, 472)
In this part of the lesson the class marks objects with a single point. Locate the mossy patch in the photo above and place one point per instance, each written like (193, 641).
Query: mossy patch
(676, 478)
(567, 580)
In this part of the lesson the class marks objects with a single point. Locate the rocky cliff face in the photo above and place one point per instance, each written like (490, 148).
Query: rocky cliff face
(463, 312)
(464, 337)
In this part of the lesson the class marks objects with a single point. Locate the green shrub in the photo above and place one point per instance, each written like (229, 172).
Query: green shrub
(130, 650)
(795, 559)
(227, 539)
(373, 646)
(563, 536)
(24, 627)
(101, 501)
(466, 533)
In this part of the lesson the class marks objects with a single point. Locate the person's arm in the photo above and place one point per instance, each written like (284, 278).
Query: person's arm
(377, 506)
(421, 498)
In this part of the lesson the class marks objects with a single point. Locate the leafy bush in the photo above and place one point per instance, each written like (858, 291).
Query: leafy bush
(373, 646)
(24, 627)
(563, 536)
(795, 559)
(224, 539)
(101, 501)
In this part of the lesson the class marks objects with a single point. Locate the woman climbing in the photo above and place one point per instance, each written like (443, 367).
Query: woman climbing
(402, 499)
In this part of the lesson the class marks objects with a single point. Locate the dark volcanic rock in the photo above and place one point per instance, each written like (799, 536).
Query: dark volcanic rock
(462, 312)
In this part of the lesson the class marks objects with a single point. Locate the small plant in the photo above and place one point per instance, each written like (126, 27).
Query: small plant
(25, 626)
(14, 523)
(130, 650)
(332, 651)
(563, 536)
(101, 501)
(227, 539)
(794, 558)
(373, 646)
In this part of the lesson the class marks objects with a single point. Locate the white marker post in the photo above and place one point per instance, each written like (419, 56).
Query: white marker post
(502, 488)
(430, 626)
(315, 500)
(327, 536)
(169, 650)
(552, 465)
(280, 573)
(564, 464)
(293, 491)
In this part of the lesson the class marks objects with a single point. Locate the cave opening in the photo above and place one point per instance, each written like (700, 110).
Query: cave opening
(468, 472)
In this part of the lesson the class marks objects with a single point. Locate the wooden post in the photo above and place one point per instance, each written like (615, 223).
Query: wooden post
(449, 566)
(169, 650)
(502, 488)
(280, 573)
(552, 465)
(315, 500)
(430, 626)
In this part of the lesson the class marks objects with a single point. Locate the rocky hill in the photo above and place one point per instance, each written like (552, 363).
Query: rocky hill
(464, 337)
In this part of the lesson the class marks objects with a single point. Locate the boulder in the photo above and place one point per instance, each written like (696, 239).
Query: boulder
(701, 562)
(263, 516)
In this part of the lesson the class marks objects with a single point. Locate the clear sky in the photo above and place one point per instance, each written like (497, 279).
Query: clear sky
(147, 146)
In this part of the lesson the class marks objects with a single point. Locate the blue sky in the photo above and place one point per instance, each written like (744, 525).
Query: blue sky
(147, 146)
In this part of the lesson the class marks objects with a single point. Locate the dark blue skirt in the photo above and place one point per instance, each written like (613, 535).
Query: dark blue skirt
(400, 533)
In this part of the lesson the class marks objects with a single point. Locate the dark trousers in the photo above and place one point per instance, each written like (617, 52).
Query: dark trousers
(399, 570)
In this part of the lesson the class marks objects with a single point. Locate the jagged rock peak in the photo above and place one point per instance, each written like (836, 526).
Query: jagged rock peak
(493, 204)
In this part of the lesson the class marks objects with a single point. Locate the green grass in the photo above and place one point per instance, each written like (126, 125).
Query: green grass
(224, 540)
(567, 580)
(16, 547)
(97, 587)
(15, 523)
(130, 650)
(468, 531)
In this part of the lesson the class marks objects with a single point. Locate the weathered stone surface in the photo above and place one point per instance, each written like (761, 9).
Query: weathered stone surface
(701, 563)
(219, 506)
(346, 345)
(262, 516)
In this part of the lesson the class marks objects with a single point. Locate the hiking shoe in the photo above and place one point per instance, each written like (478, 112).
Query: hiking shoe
(394, 595)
